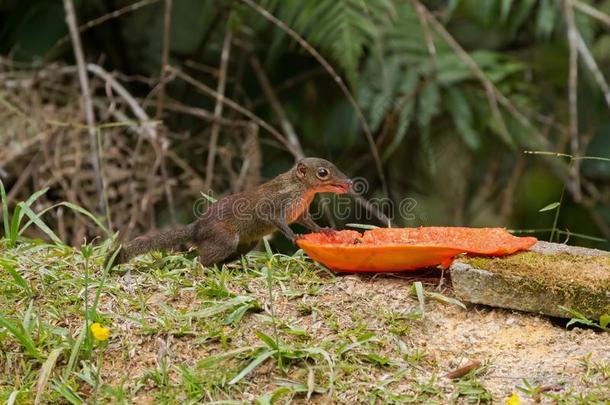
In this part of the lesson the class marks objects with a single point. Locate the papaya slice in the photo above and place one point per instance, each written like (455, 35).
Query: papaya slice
(397, 249)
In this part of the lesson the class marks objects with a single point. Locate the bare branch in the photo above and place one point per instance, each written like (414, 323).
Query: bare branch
(220, 89)
(88, 104)
(592, 65)
(591, 12)
(149, 127)
(167, 21)
(493, 94)
(277, 107)
(573, 96)
(233, 105)
(426, 31)
(204, 115)
(100, 20)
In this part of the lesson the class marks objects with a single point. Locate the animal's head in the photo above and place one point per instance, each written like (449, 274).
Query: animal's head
(322, 176)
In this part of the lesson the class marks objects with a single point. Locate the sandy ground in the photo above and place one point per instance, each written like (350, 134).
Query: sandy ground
(517, 345)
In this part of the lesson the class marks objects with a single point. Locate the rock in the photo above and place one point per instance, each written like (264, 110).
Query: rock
(542, 280)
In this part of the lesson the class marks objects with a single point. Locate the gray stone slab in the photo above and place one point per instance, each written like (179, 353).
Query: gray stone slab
(550, 275)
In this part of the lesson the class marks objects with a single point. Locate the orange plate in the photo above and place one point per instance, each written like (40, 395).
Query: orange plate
(398, 249)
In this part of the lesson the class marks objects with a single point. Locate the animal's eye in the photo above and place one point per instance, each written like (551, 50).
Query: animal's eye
(322, 173)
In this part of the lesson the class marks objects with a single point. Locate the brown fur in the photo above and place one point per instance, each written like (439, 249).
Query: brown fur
(233, 225)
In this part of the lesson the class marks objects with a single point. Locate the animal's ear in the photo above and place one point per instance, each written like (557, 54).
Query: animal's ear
(301, 170)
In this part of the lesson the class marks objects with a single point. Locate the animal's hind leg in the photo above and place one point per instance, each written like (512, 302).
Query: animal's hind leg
(217, 248)
(241, 249)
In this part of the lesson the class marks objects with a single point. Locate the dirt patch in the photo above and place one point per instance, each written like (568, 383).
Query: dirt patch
(516, 345)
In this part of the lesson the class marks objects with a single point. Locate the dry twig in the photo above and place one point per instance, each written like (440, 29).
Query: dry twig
(573, 96)
(88, 104)
(591, 12)
(220, 89)
(462, 371)
(235, 106)
(167, 20)
(592, 65)
(277, 107)
(204, 114)
(100, 20)
(149, 127)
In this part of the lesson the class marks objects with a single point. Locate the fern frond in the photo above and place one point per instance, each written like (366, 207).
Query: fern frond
(340, 29)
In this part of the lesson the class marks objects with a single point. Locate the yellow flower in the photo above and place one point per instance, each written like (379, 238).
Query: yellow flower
(99, 332)
(513, 400)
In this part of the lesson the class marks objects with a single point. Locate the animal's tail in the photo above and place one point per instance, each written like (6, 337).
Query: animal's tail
(169, 239)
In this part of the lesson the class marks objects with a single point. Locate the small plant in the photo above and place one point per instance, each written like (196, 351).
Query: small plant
(556, 205)
(22, 334)
(12, 223)
(579, 318)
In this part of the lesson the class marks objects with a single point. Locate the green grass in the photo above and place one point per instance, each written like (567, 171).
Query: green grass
(247, 331)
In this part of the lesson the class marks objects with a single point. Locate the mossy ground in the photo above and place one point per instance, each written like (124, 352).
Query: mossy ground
(181, 333)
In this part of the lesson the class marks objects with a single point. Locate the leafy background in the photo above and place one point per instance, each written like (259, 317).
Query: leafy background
(441, 138)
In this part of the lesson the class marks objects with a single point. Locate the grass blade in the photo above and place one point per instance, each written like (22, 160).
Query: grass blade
(5, 212)
(219, 357)
(20, 210)
(445, 299)
(362, 339)
(12, 398)
(45, 373)
(88, 215)
(27, 318)
(419, 290)
(67, 393)
(268, 340)
(35, 218)
(549, 207)
(22, 337)
(17, 278)
(78, 209)
(268, 250)
(362, 226)
(221, 307)
(329, 361)
(75, 351)
(98, 293)
(253, 364)
(14, 227)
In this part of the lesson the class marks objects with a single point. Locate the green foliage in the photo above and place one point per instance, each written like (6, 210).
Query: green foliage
(579, 318)
(22, 334)
(342, 29)
(403, 78)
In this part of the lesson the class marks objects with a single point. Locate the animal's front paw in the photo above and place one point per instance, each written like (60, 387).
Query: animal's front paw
(328, 231)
